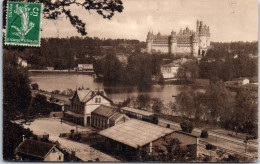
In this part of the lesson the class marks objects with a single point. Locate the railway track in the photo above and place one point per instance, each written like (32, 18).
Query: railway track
(219, 136)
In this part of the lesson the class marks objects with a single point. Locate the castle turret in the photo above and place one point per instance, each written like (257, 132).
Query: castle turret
(173, 43)
(202, 36)
(149, 41)
(198, 26)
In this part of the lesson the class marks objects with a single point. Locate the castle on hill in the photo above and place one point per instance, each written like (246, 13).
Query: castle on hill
(186, 42)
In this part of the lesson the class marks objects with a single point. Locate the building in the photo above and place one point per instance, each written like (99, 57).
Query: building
(237, 82)
(22, 62)
(169, 71)
(107, 116)
(135, 134)
(241, 81)
(140, 114)
(187, 140)
(50, 68)
(85, 67)
(186, 42)
(32, 150)
(83, 102)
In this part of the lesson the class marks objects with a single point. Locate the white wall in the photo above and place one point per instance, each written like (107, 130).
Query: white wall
(164, 48)
(54, 156)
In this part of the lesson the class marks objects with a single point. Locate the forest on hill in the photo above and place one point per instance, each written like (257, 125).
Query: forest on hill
(66, 53)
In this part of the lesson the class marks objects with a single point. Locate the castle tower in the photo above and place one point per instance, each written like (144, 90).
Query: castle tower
(198, 26)
(149, 41)
(208, 37)
(195, 45)
(173, 43)
(202, 36)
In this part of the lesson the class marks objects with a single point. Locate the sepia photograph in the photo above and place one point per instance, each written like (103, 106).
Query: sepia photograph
(130, 81)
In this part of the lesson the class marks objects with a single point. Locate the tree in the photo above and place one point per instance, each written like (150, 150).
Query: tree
(12, 137)
(53, 9)
(170, 150)
(219, 102)
(35, 86)
(143, 101)
(157, 105)
(186, 103)
(16, 88)
(112, 69)
(204, 134)
(188, 71)
(187, 126)
(245, 115)
(40, 105)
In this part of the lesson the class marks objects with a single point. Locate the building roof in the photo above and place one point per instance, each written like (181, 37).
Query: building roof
(35, 148)
(135, 133)
(104, 110)
(171, 65)
(86, 94)
(184, 133)
(142, 112)
(116, 116)
(74, 114)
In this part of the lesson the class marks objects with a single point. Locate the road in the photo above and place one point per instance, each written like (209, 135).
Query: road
(53, 127)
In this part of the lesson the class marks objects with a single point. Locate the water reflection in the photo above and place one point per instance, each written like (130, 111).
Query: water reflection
(117, 93)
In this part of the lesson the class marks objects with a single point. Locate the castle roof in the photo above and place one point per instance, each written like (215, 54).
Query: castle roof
(161, 39)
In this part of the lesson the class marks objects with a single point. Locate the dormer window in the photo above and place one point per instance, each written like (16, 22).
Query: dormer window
(98, 100)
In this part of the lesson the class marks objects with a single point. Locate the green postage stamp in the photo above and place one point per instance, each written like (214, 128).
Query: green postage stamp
(23, 23)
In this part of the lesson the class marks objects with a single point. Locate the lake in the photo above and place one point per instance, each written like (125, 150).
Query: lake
(50, 82)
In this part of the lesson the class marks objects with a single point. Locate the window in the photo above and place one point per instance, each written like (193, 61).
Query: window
(98, 100)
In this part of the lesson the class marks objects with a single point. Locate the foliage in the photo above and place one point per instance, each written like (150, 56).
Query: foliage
(112, 69)
(16, 88)
(171, 151)
(204, 134)
(158, 105)
(188, 71)
(35, 86)
(40, 105)
(186, 126)
(53, 9)
(211, 147)
(138, 71)
(218, 105)
(12, 137)
(143, 101)
(227, 61)
(244, 118)
(219, 101)
(186, 103)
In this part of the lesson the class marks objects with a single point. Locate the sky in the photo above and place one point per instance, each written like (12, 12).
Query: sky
(229, 20)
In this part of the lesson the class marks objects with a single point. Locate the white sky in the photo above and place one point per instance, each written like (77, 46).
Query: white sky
(229, 20)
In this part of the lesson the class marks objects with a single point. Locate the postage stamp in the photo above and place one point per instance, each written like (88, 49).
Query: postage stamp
(23, 23)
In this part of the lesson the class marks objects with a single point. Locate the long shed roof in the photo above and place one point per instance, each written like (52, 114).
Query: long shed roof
(142, 112)
(135, 133)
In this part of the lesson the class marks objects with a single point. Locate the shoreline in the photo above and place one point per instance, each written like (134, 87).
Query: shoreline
(90, 72)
